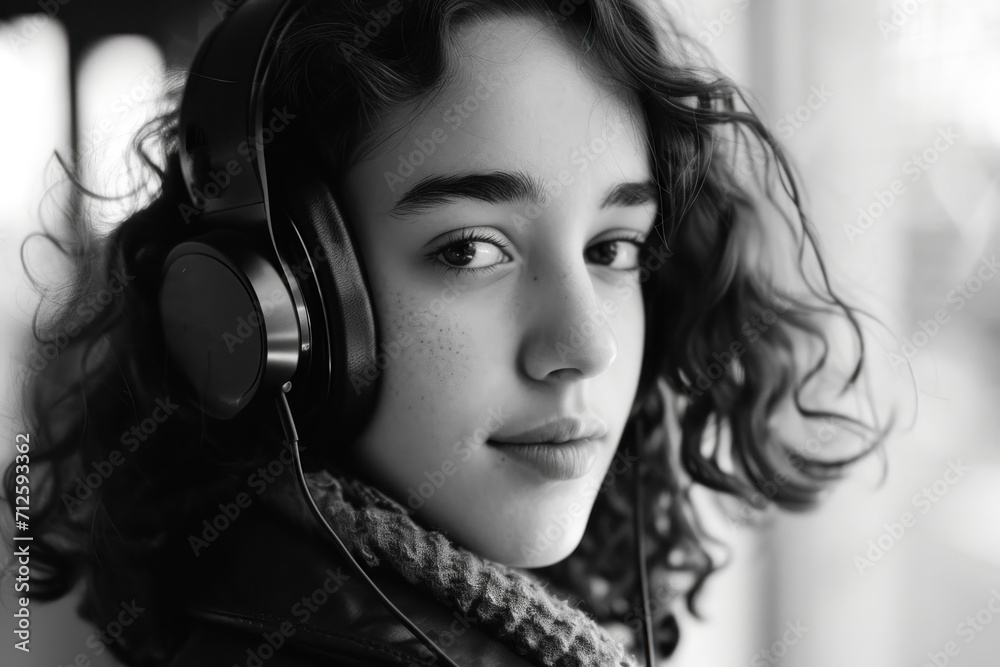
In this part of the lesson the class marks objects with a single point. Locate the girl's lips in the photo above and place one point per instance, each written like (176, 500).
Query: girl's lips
(557, 431)
(564, 461)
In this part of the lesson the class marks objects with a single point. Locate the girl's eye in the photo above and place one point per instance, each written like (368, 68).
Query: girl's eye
(474, 252)
(621, 254)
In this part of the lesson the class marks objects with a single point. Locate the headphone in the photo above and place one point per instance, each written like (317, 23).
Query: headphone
(273, 293)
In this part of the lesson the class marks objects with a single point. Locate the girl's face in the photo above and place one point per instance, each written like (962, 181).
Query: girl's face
(499, 228)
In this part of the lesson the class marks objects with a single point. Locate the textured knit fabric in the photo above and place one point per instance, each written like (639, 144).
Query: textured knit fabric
(512, 606)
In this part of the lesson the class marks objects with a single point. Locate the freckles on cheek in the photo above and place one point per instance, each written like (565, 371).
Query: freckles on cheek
(439, 359)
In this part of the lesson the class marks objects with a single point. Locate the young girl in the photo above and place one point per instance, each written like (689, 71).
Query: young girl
(579, 313)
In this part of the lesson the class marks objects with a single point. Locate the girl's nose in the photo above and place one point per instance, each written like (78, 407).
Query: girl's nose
(569, 335)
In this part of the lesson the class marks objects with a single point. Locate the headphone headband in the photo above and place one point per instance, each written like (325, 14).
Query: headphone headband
(221, 118)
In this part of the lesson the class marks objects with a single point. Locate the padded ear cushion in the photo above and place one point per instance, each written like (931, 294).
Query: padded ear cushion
(340, 399)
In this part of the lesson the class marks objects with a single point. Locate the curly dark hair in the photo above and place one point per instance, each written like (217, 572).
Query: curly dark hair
(96, 372)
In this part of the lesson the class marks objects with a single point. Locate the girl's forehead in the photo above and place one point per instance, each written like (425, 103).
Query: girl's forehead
(541, 61)
(519, 95)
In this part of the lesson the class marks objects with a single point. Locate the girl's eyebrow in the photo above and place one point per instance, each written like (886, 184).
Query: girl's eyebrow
(504, 187)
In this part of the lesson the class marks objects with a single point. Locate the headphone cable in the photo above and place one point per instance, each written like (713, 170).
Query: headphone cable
(292, 438)
(640, 549)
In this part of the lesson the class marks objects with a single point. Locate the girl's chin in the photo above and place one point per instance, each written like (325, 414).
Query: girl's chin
(544, 545)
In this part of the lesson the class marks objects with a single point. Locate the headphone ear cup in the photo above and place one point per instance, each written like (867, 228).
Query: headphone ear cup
(342, 386)
(229, 322)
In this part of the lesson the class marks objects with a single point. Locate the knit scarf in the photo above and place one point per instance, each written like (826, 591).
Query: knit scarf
(508, 604)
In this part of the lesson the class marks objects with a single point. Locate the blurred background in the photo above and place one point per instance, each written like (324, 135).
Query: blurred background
(891, 111)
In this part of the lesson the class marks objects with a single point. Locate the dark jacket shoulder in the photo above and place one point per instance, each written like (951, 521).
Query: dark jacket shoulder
(270, 593)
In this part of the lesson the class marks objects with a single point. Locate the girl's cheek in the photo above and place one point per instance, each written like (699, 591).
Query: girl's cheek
(629, 326)
(621, 304)
(435, 343)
